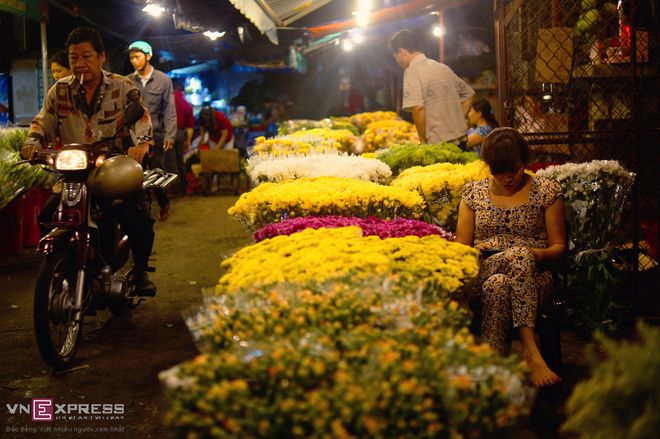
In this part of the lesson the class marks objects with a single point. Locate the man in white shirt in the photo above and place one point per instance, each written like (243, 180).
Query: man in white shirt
(438, 99)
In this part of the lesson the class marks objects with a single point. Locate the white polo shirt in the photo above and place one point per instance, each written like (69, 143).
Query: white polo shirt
(436, 87)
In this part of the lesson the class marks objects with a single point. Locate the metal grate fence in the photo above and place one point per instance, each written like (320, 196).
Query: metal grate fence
(580, 79)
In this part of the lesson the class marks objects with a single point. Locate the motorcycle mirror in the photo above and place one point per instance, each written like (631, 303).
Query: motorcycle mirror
(132, 113)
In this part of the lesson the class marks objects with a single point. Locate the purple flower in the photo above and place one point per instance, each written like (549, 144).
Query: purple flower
(395, 228)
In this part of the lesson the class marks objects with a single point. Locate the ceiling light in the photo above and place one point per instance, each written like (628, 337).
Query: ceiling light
(362, 18)
(154, 9)
(364, 5)
(347, 45)
(439, 31)
(213, 35)
(357, 37)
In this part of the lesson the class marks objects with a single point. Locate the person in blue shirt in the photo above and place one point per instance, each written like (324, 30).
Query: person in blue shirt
(482, 122)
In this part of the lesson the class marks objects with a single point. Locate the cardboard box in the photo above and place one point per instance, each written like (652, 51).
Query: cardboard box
(220, 161)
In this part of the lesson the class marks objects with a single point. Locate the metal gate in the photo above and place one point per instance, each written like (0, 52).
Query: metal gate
(580, 79)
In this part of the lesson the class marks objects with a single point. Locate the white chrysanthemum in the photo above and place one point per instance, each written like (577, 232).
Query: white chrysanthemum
(328, 164)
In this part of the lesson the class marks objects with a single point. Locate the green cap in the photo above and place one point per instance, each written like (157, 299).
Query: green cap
(142, 46)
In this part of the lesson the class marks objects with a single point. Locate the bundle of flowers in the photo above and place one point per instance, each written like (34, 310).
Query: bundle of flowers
(318, 256)
(335, 123)
(594, 193)
(329, 309)
(400, 157)
(15, 179)
(441, 185)
(273, 202)
(385, 133)
(408, 381)
(362, 120)
(286, 146)
(293, 125)
(344, 123)
(332, 164)
(396, 228)
(342, 140)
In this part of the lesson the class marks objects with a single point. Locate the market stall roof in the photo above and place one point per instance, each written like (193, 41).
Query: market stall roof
(268, 15)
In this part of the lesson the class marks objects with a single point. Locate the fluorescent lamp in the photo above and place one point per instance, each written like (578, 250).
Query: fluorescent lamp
(213, 35)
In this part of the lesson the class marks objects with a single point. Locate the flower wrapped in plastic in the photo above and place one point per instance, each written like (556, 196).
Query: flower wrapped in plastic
(330, 309)
(401, 157)
(413, 380)
(305, 142)
(330, 164)
(362, 120)
(341, 140)
(273, 202)
(318, 256)
(385, 133)
(286, 146)
(15, 179)
(395, 228)
(293, 125)
(594, 193)
(441, 185)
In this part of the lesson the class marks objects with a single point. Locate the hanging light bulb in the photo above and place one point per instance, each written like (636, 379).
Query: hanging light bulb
(154, 9)
(347, 45)
(439, 31)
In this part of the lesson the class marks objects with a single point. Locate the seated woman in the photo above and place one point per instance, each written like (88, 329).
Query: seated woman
(482, 122)
(523, 217)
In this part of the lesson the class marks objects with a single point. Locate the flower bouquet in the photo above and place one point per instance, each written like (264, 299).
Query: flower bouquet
(293, 125)
(395, 228)
(276, 169)
(341, 140)
(331, 309)
(412, 380)
(385, 133)
(441, 185)
(594, 193)
(362, 120)
(271, 202)
(317, 256)
(16, 179)
(286, 146)
(400, 157)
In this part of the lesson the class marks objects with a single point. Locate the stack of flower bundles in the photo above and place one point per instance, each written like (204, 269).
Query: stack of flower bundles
(272, 202)
(441, 185)
(358, 337)
(330, 164)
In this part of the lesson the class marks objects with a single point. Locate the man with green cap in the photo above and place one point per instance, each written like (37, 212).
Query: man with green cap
(157, 92)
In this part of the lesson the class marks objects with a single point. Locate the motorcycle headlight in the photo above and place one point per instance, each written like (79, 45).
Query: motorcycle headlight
(71, 160)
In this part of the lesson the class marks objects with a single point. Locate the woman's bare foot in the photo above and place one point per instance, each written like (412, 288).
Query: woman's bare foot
(541, 373)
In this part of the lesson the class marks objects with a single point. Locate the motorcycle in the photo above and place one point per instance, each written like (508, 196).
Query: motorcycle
(76, 277)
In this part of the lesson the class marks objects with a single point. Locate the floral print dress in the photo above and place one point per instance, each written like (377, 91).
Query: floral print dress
(510, 284)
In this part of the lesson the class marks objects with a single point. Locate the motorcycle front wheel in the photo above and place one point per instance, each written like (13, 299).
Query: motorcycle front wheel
(58, 334)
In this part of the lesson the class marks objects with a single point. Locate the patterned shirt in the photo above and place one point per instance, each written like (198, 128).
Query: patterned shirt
(523, 225)
(62, 115)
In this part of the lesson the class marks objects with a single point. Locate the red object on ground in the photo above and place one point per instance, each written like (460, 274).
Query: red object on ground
(535, 167)
(11, 228)
(32, 204)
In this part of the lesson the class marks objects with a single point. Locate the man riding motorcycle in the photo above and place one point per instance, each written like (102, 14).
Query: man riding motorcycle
(85, 108)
